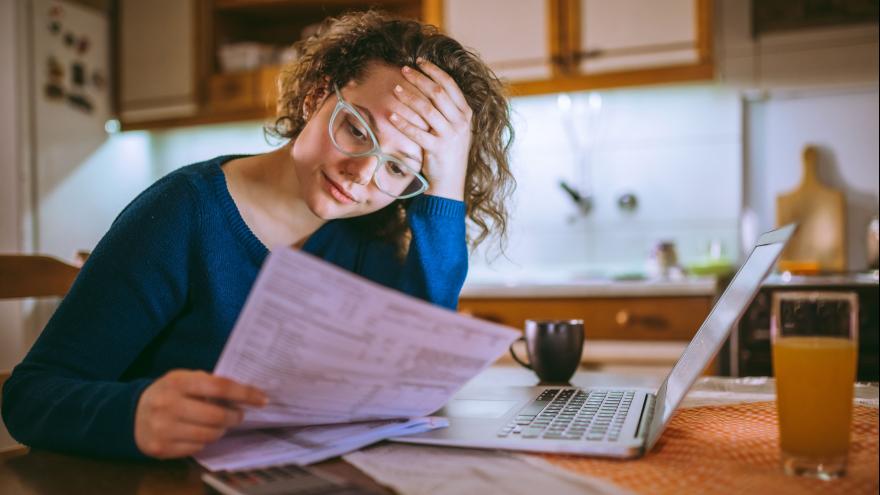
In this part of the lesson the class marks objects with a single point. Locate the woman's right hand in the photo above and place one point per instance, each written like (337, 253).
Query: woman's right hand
(183, 411)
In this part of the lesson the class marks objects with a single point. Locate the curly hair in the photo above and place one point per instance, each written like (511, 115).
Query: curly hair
(343, 49)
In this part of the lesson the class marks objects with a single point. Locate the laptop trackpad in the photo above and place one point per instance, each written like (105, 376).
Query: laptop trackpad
(473, 408)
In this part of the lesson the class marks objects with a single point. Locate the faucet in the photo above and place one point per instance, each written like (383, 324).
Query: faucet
(584, 202)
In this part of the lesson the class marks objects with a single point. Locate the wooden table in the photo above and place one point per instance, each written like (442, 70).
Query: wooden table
(42, 472)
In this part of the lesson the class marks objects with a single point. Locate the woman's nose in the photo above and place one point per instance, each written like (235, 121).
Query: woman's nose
(359, 169)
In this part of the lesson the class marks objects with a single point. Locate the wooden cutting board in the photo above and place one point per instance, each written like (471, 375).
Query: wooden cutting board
(820, 241)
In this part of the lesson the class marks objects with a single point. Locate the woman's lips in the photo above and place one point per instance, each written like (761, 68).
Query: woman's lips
(337, 192)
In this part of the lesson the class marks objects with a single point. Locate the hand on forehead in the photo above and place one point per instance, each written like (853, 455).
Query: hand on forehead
(375, 92)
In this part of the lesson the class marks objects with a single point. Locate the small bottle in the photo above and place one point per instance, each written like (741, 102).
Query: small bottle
(664, 260)
(873, 243)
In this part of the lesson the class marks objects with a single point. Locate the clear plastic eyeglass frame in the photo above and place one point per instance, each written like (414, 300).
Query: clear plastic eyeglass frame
(381, 157)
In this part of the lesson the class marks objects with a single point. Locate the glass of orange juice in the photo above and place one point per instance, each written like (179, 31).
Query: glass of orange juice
(815, 336)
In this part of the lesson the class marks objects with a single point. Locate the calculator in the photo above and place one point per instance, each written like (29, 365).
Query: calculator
(278, 480)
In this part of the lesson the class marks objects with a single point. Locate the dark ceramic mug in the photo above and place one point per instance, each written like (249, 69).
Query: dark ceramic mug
(554, 348)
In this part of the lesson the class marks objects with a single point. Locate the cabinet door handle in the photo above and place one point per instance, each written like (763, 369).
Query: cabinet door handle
(624, 318)
(594, 53)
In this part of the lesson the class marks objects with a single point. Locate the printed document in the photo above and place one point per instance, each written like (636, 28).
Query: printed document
(250, 449)
(330, 347)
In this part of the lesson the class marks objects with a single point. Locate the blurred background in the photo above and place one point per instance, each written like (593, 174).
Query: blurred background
(655, 140)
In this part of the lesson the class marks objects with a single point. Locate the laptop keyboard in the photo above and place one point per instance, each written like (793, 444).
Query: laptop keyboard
(571, 414)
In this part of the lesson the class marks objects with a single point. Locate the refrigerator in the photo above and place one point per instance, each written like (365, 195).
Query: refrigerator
(70, 104)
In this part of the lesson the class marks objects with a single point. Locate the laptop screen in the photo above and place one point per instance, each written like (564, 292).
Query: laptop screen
(709, 339)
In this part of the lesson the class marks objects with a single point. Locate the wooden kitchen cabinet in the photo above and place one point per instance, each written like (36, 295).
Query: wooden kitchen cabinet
(245, 90)
(157, 60)
(279, 23)
(773, 45)
(636, 34)
(548, 46)
(614, 318)
(517, 39)
(169, 72)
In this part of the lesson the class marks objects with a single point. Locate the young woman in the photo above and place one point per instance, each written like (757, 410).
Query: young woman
(395, 135)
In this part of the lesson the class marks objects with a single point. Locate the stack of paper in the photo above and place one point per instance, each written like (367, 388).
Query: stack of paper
(330, 347)
(248, 449)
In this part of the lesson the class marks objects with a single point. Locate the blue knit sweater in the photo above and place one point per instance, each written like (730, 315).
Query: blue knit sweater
(162, 290)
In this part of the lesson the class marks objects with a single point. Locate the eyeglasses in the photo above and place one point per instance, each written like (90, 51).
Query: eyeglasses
(352, 136)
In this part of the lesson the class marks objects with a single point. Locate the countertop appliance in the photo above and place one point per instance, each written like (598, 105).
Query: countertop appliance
(748, 351)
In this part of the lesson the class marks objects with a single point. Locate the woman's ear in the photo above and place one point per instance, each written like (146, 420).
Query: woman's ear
(313, 100)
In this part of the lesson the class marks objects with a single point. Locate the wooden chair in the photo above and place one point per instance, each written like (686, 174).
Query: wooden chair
(24, 276)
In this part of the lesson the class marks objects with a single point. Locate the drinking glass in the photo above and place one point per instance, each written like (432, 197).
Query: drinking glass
(814, 338)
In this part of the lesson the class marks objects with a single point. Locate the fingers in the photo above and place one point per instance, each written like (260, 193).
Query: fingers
(177, 449)
(435, 98)
(203, 384)
(200, 412)
(409, 115)
(417, 99)
(441, 90)
(181, 412)
(195, 434)
(448, 83)
(421, 137)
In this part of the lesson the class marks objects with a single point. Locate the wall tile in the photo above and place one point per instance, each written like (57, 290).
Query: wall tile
(681, 181)
(176, 148)
(679, 150)
(843, 124)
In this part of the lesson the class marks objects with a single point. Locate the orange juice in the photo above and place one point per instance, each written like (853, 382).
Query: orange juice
(814, 390)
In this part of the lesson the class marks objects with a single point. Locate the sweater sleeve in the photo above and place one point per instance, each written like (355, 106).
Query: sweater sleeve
(437, 261)
(69, 392)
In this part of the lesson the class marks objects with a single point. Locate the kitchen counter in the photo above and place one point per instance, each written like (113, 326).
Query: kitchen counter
(479, 288)
(787, 280)
(619, 310)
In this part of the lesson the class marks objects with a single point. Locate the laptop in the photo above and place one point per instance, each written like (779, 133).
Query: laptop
(606, 422)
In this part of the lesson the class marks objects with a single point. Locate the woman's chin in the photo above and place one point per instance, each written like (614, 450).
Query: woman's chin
(327, 208)
(323, 208)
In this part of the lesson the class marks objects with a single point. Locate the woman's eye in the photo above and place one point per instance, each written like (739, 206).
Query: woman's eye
(356, 132)
(395, 169)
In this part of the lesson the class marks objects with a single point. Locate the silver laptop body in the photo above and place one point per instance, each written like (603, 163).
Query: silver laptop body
(622, 423)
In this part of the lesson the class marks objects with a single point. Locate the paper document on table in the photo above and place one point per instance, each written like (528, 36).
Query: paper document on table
(424, 470)
(249, 449)
(328, 346)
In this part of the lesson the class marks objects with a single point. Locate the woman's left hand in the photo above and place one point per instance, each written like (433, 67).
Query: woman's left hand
(438, 100)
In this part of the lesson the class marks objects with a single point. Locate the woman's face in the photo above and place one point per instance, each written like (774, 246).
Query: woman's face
(333, 184)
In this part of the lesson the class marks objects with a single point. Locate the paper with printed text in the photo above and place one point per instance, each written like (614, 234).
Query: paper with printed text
(328, 346)
(250, 449)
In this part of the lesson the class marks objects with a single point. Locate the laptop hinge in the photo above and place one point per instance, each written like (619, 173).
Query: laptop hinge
(646, 416)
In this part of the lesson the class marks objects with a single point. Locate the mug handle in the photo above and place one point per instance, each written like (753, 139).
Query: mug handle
(515, 357)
